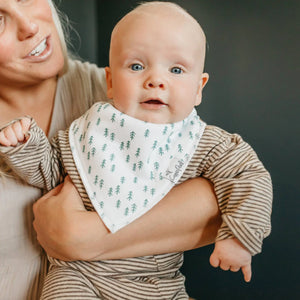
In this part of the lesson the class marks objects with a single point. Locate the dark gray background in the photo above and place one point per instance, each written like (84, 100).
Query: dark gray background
(253, 62)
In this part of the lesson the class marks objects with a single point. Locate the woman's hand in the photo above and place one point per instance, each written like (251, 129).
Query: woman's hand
(64, 228)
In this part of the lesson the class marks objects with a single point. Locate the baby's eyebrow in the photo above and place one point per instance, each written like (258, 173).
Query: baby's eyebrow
(184, 61)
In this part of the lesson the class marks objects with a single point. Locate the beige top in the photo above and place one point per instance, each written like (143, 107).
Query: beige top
(22, 262)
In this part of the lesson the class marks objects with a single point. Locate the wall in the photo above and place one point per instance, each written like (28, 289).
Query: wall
(253, 51)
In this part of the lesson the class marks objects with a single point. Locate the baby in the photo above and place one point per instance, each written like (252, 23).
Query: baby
(124, 156)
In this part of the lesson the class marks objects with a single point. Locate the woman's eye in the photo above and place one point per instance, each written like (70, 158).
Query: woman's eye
(136, 67)
(176, 70)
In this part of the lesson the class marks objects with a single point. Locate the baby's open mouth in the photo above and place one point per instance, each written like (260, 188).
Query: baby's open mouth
(154, 101)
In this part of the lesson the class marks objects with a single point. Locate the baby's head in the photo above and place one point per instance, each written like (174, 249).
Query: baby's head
(156, 62)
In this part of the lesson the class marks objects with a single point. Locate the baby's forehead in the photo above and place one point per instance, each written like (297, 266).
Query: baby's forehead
(166, 14)
(162, 20)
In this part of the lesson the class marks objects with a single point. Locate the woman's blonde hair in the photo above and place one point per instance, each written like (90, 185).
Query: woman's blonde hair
(4, 169)
(62, 25)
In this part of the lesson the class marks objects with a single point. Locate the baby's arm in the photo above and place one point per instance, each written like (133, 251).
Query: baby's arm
(15, 132)
(244, 191)
(26, 149)
(230, 254)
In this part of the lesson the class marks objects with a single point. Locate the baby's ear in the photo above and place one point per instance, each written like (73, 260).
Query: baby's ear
(202, 83)
(109, 91)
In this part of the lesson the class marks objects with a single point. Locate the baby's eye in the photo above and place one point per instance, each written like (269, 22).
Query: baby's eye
(136, 67)
(176, 70)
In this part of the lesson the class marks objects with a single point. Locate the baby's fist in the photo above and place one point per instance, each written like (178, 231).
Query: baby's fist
(230, 254)
(15, 133)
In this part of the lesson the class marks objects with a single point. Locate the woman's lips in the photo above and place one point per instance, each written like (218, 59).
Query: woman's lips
(39, 49)
(41, 52)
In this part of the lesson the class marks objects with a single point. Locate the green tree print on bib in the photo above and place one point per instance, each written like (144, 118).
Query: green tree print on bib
(128, 165)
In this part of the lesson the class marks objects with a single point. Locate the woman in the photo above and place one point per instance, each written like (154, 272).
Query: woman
(37, 79)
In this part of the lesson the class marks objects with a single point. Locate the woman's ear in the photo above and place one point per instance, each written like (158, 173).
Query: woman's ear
(108, 77)
(202, 83)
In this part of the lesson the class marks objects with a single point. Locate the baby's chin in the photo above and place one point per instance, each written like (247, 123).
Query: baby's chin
(155, 117)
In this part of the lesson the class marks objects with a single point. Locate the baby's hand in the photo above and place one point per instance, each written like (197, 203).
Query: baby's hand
(15, 133)
(230, 254)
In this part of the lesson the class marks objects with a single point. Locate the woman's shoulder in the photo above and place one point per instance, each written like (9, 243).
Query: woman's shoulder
(84, 81)
(85, 71)
(78, 89)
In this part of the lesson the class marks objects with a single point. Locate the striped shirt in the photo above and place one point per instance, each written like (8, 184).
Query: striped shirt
(242, 186)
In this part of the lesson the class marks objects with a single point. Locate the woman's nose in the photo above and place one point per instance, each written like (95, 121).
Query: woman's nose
(26, 27)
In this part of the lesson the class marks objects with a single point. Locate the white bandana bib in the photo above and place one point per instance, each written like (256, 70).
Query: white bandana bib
(128, 165)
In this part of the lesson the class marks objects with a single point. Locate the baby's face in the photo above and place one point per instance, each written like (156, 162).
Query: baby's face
(156, 67)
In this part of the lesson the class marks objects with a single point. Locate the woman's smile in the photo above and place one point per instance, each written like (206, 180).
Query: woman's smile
(42, 51)
(39, 49)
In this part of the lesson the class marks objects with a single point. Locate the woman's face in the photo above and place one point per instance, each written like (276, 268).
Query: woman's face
(30, 50)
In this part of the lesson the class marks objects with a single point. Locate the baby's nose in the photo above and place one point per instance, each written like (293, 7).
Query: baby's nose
(153, 84)
(155, 81)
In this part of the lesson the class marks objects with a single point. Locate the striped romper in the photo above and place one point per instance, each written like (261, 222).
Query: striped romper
(242, 185)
